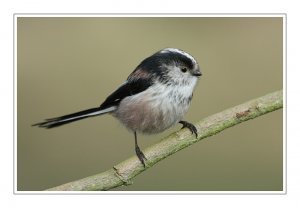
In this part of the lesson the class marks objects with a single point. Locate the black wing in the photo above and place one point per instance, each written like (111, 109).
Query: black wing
(130, 87)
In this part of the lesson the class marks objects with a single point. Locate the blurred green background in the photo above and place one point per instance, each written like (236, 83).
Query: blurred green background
(69, 64)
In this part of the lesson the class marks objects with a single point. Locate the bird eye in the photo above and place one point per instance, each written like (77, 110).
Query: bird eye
(184, 69)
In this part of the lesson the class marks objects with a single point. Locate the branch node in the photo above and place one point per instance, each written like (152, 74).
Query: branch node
(125, 181)
(242, 114)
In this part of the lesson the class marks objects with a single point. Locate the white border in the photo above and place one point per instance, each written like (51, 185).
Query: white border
(150, 15)
(284, 191)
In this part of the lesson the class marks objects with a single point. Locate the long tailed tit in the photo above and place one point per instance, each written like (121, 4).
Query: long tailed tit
(155, 96)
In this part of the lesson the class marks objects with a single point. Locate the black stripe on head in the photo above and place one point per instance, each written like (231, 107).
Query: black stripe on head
(179, 56)
(154, 64)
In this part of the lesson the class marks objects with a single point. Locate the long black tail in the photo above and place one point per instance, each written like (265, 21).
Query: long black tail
(55, 122)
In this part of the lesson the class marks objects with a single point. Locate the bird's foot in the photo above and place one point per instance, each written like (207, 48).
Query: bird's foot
(190, 126)
(140, 155)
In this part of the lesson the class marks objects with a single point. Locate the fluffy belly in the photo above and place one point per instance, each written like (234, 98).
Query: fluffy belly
(151, 113)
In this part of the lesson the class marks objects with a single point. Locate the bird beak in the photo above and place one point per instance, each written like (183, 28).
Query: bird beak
(197, 73)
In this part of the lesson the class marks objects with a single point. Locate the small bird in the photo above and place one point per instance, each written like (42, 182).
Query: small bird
(155, 96)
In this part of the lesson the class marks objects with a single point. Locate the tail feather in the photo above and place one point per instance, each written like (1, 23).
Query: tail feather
(55, 122)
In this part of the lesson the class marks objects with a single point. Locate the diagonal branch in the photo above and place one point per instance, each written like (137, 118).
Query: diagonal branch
(124, 172)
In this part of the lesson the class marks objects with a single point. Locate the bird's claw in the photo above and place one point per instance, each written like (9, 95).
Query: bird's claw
(140, 155)
(190, 126)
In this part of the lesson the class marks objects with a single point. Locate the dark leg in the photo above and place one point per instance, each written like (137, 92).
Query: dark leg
(138, 152)
(190, 126)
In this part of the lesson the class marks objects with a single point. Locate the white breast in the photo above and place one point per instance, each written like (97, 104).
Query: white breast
(156, 109)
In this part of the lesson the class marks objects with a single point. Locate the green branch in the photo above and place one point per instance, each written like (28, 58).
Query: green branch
(124, 172)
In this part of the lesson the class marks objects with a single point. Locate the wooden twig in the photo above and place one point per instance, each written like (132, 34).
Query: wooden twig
(124, 172)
